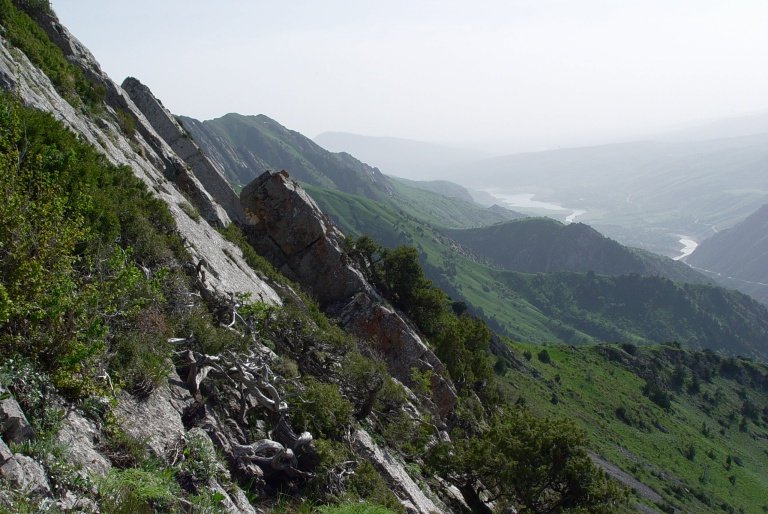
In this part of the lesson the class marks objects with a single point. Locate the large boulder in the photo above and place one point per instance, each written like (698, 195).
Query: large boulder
(26, 476)
(284, 224)
(156, 419)
(80, 437)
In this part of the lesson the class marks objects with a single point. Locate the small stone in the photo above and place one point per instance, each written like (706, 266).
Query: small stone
(26, 476)
(14, 426)
(5, 453)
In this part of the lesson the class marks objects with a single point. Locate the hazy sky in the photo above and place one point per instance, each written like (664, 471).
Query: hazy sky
(540, 71)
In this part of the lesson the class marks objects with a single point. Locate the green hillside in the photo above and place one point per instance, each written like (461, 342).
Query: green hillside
(569, 308)
(574, 308)
(544, 245)
(738, 257)
(689, 425)
(246, 146)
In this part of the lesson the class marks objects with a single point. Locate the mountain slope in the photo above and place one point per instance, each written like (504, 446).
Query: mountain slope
(703, 451)
(246, 146)
(738, 257)
(536, 245)
(516, 304)
(573, 308)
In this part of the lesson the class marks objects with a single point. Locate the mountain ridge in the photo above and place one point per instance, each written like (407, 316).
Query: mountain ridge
(738, 256)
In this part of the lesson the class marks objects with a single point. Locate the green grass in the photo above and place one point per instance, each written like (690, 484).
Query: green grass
(601, 389)
(442, 211)
(354, 508)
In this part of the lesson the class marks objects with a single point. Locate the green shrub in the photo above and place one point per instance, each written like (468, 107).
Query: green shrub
(538, 465)
(355, 508)
(322, 411)
(90, 261)
(138, 491)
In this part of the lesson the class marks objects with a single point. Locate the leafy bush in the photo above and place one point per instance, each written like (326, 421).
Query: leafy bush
(536, 465)
(658, 396)
(83, 254)
(322, 411)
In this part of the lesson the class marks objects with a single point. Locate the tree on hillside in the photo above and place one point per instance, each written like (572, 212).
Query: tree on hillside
(535, 465)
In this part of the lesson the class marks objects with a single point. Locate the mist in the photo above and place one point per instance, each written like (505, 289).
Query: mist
(496, 76)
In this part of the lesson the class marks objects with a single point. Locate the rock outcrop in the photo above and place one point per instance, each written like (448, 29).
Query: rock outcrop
(286, 226)
(400, 346)
(14, 426)
(26, 476)
(158, 418)
(171, 131)
(413, 497)
(80, 438)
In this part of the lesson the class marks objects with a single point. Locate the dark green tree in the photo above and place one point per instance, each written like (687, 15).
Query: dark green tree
(535, 465)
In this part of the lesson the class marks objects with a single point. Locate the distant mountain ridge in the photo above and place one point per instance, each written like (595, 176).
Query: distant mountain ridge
(538, 245)
(397, 156)
(738, 257)
(246, 146)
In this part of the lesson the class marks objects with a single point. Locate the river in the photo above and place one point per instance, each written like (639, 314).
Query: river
(689, 245)
(526, 201)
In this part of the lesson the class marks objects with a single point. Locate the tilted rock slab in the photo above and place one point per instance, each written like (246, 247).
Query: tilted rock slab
(180, 141)
(400, 482)
(285, 225)
(146, 153)
(400, 345)
(156, 419)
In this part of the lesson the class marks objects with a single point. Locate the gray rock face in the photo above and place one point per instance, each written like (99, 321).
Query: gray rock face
(5, 453)
(400, 345)
(14, 426)
(171, 131)
(26, 475)
(286, 226)
(409, 493)
(156, 419)
(79, 436)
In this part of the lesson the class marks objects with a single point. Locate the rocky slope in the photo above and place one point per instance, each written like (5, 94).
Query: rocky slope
(738, 257)
(174, 413)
